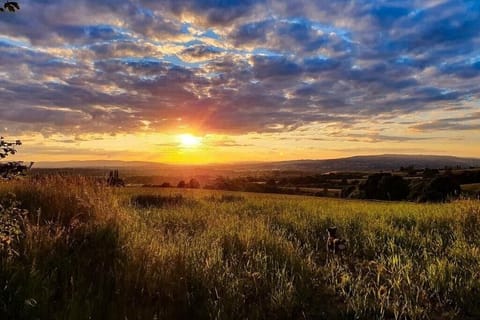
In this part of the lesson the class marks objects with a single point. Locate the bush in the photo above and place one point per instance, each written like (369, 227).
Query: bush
(12, 220)
(11, 169)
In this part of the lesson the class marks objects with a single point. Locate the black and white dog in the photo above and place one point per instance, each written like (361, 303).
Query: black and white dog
(335, 245)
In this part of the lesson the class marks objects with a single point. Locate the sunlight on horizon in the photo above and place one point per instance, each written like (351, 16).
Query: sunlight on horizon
(189, 141)
(198, 81)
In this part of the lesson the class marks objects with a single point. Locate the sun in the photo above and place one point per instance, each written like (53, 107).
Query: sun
(189, 141)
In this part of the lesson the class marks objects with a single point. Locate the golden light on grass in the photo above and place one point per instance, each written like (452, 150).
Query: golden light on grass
(189, 141)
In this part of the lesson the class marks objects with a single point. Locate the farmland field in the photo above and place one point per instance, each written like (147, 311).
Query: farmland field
(87, 251)
(474, 187)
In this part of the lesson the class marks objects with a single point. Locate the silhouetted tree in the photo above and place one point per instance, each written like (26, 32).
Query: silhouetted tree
(371, 185)
(385, 186)
(181, 184)
(114, 179)
(194, 184)
(13, 168)
(440, 189)
(10, 6)
(393, 188)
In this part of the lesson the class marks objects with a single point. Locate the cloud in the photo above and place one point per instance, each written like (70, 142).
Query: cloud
(224, 142)
(469, 122)
(274, 66)
(211, 12)
(200, 53)
(236, 67)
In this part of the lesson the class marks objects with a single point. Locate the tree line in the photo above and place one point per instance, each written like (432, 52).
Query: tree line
(386, 186)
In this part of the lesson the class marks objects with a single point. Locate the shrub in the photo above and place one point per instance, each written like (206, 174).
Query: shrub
(12, 220)
(11, 169)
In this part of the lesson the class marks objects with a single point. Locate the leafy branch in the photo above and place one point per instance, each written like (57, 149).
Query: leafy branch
(14, 168)
(10, 6)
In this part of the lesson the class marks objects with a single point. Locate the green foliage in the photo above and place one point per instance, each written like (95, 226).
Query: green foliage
(12, 220)
(438, 189)
(93, 252)
(14, 168)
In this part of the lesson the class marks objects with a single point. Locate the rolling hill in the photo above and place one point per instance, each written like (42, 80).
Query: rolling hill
(355, 163)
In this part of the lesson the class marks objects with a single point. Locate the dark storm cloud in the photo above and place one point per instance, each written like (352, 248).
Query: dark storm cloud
(236, 66)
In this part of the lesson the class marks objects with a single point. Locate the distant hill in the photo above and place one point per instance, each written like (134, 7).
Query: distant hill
(356, 163)
(375, 162)
(94, 164)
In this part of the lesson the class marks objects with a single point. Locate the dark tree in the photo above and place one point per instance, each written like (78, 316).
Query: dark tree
(371, 185)
(181, 184)
(114, 179)
(440, 189)
(393, 188)
(385, 186)
(11, 169)
(194, 184)
(9, 6)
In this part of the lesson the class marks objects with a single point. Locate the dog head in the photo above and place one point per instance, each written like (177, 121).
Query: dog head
(332, 232)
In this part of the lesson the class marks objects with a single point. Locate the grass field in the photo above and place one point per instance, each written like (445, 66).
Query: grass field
(85, 251)
(473, 187)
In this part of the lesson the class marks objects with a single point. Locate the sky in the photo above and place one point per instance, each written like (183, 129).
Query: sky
(210, 81)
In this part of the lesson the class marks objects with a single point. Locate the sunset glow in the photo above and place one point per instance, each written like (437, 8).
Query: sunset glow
(189, 141)
(198, 81)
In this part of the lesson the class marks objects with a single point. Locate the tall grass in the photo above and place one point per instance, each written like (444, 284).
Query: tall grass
(93, 252)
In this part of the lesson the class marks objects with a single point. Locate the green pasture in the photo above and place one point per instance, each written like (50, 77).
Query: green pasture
(85, 251)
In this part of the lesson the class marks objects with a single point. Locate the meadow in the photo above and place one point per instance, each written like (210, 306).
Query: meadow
(80, 250)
